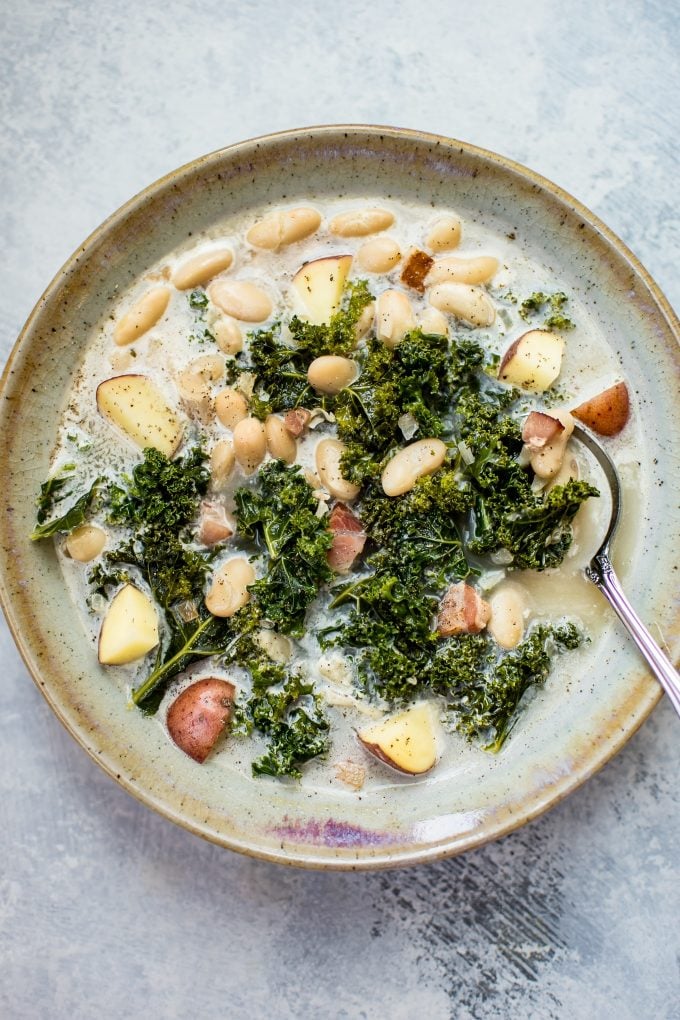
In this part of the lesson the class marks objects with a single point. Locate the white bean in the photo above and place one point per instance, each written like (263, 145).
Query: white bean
(228, 335)
(277, 646)
(280, 443)
(283, 227)
(85, 542)
(201, 268)
(365, 321)
(327, 456)
(196, 395)
(222, 461)
(395, 317)
(330, 373)
(210, 367)
(445, 234)
(241, 299)
(434, 321)
(360, 222)
(411, 463)
(471, 304)
(547, 461)
(250, 444)
(565, 474)
(144, 314)
(474, 270)
(231, 407)
(506, 625)
(229, 589)
(379, 255)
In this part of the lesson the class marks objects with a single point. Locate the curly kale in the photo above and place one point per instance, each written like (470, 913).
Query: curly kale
(280, 367)
(158, 503)
(280, 373)
(419, 534)
(286, 710)
(536, 302)
(507, 514)
(398, 657)
(421, 377)
(51, 493)
(280, 517)
(484, 702)
(539, 536)
(198, 302)
(337, 336)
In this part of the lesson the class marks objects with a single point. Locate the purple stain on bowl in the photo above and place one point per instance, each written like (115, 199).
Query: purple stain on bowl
(331, 833)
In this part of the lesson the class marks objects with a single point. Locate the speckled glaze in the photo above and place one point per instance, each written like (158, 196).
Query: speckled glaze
(402, 822)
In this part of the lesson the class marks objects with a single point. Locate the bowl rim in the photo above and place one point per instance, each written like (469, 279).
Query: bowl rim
(494, 829)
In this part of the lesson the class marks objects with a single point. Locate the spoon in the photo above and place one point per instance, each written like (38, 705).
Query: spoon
(601, 572)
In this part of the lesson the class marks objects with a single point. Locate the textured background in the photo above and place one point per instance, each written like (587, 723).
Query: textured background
(107, 910)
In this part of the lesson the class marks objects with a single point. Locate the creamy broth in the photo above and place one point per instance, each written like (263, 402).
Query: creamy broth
(173, 343)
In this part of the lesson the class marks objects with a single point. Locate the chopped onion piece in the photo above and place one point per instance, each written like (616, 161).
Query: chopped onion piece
(466, 453)
(408, 425)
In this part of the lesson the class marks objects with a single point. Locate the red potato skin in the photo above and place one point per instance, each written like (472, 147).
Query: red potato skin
(200, 714)
(296, 421)
(606, 413)
(540, 428)
(214, 526)
(512, 350)
(349, 538)
(378, 753)
(509, 354)
(462, 611)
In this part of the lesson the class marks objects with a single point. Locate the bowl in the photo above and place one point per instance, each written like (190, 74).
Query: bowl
(397, 822)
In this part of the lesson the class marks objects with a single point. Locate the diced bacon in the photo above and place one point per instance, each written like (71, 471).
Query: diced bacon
(297, 420)
(539, 429)
(416, 269)
(462, 611)
(349, 538)
(214, 524)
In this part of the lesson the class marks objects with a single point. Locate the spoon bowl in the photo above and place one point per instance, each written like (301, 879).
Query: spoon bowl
(601, 572)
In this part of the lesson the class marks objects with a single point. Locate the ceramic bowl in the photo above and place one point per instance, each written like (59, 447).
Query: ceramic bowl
(398, 822)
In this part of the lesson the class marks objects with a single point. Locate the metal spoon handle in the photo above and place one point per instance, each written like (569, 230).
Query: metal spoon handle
(603, 575)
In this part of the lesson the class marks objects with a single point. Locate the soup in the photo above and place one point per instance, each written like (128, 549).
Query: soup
(331, 446)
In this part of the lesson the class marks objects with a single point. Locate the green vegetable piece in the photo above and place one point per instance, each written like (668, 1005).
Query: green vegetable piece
(288, 712)
(76, 514)
(537, 301)
(158, 504)
(485, 703)
(281, 368)
(280, 517)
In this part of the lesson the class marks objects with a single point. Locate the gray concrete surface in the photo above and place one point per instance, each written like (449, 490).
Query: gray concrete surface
(109, 911)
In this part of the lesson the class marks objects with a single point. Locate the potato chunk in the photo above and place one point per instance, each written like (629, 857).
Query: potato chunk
(197, 718)
(407, 742)
(135, 405)
(130, 628)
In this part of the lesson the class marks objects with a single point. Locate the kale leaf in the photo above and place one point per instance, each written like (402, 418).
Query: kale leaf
(507, 513)
(419, 533)
(286, 710)
(51, 493)
(390, 629)
(280, 517)
(420, 377)
(280, 367)
(158, 503)
(537, 301)
(485, 702)
(198, 302)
